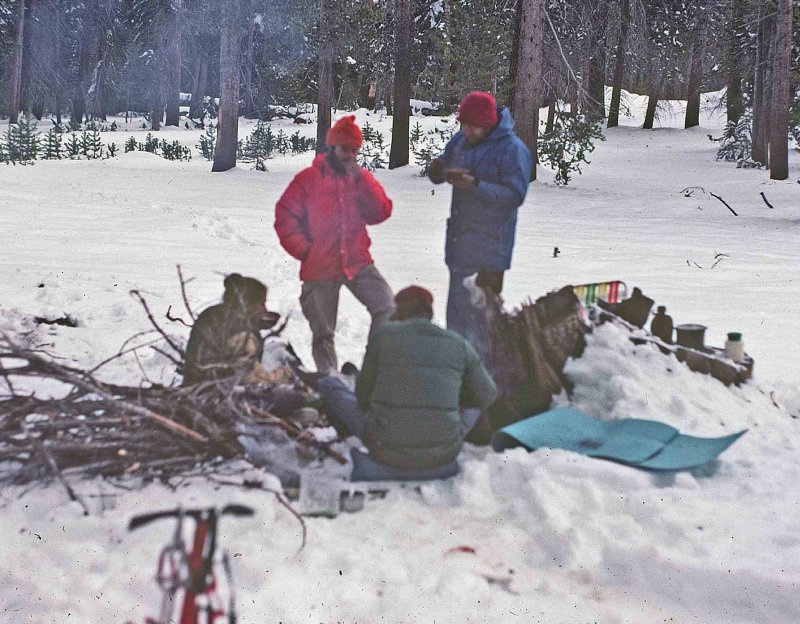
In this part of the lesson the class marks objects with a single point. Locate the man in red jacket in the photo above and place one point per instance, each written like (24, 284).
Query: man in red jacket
(321, 220)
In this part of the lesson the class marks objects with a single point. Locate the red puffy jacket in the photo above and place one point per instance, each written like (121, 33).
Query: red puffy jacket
(321, 220)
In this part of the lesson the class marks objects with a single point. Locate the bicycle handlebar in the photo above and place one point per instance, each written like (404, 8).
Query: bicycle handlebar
(239, 511)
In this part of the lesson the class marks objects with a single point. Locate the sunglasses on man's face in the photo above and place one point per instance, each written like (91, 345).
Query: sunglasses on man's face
(347, 150)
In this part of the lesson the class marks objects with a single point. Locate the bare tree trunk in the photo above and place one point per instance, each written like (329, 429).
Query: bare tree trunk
(619, 66)
(526, 73)
(733, 97)
(325, 81)
(596, 104)
(250, 107)
(199, 92)
(761, 114)
(398, 154)
(16, 62)
(172, 58)
(758, 148)
(387, 96)
(228, 117)
(779, 123)
(653, 94)
(695, 73)
(551, 116)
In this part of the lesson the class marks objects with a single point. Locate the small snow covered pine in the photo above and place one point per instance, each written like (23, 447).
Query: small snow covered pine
(736, 142)
(22, 141)
(208, 142)
(567, 146)
(53, 144)
(72, 146)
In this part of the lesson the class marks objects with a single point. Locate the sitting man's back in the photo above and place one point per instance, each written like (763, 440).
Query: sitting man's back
(419, 392)
(415, 380)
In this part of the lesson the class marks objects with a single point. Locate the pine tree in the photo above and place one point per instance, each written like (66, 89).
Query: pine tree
(208, 142)
(72, 146)
(53, 144)
(22, 143)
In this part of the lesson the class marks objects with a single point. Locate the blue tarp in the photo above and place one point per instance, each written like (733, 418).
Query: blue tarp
(641, 443)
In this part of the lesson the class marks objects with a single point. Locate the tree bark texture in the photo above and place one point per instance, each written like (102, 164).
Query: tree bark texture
(619, 65)
(172, 63)
(228, 118)
(653, 94)
(398, 154)
(199, 92)
(762, 88)
(325, 78)
(16, 62)
(526, 73)
(596, 87)
(733, 97)
(779, 122)
(695, 74)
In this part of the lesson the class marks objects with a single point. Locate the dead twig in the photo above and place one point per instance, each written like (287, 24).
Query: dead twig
(258, 485)
(727, 205)
(764, 197)
(176, 319)
(185, 298)
(57, 473)
(169, 340)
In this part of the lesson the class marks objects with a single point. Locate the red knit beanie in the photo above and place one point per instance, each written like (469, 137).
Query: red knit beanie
(413, 301)
(346, 133)
(478, 109)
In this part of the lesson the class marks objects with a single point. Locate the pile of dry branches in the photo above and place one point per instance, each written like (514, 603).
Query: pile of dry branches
(95, 428)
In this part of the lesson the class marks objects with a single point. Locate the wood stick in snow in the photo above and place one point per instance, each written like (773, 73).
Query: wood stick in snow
(726, 204)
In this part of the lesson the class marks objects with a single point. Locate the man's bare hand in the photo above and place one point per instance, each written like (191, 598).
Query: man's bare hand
(353, 170)
(464, 180)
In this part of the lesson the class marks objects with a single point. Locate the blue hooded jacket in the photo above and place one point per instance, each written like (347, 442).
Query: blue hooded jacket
(483, 218)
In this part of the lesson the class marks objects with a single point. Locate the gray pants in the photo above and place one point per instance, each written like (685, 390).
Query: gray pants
(320, 303)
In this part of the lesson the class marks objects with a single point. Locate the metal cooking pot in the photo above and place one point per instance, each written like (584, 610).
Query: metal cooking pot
(691, 335)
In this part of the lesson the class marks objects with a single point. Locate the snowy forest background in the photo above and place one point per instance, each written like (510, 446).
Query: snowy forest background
(78, 61)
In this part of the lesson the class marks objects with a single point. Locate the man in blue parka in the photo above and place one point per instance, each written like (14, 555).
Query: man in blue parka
(490, 168)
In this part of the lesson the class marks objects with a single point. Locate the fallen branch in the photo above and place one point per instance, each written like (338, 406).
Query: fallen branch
(169, 340)
(764, 197)
(726, 204)
(57, 473)
(183, 294)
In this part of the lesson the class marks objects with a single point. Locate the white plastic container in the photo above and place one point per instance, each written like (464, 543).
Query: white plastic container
(734, 347)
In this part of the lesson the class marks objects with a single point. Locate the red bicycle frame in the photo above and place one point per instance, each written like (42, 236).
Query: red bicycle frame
(192, 572)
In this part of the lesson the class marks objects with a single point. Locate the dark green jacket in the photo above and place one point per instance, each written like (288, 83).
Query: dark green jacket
(415, 379)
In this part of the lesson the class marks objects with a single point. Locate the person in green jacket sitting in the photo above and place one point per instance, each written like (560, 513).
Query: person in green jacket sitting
(419, 391)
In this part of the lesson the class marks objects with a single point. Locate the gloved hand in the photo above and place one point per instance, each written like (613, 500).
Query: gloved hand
(490, 280)
(436, 168)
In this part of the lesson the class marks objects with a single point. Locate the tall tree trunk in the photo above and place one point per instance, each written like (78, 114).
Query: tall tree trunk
(757, 145)
(250, 106)
(325, 80)
(653, 94)
(695, 74)
(16, 62)
(551, 116)
(199, 92)
(733, 97)
(761, 115)
(398, 154)
(387, 96)
(619, 66)
(229, 61)
(596, 87)
(779, 122)
(526, 73)
(172, 65)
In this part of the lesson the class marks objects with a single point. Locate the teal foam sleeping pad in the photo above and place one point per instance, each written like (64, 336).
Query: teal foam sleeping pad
(641, 443)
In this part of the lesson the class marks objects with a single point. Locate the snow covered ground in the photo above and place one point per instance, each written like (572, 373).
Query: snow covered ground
(552, 536)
